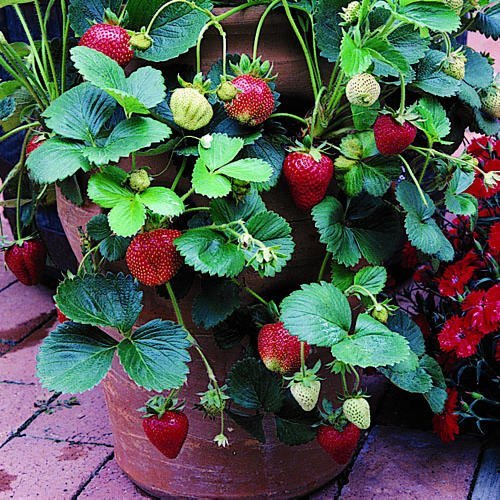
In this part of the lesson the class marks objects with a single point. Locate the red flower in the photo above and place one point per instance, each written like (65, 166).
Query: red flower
(482, 310)
(478, 188)
(409, 259)
(494, 240)
(457, 336)
(481, 147)
(457, 275)
(445, 424)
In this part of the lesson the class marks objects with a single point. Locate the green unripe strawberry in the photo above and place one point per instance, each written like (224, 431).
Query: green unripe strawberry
(191, 109)
(139, 180)
(362, 90)
(381, 313)
(455, 5)
(141, 41)
(357, 411)
(454, 65)
(491, 100)
(350, 13)
(213, 401)
(306, 393)
(226, 91)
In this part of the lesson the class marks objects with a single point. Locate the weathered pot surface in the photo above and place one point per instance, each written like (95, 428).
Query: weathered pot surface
(246, 469)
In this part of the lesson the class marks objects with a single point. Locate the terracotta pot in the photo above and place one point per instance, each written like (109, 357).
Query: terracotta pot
(278, 44)
(247, 469)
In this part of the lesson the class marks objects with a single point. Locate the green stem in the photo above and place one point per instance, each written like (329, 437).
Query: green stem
(188, 194)
(18, 129)
(46, 52)
(65, 35)
(27, 31)
(412, 175)
(447, 43)
(175, 304)
(402, 102)
(302, 358)
(291, 116)
(85, 257)
(344, 382)
(22, 161)
(323, 266)
(364, 291)
(255, 295)
(238, 8)
(314, 118)
(337, 93)
(303, 45)
(358, 380)
(196, 209)
(179, 174)
(269, 8)
(426, 164)
(198, 45)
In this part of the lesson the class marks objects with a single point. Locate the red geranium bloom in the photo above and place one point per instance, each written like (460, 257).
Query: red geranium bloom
(446, 424)
(409, 258)
(494, 240)
(457, 275)
(478, 188)
(482, 310)
(457, 336)
(481, 147)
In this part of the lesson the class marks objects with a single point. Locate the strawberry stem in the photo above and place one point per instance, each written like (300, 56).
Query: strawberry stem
(402, 103)
(260, 25)
(250, 292)
(291, 116)
(417, 184)
(322, 269)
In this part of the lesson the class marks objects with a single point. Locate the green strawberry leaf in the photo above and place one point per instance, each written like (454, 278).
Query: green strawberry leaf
(105, 188)
(155, 356)
(431, 79)
(80, 113)
(83, 13)
(413, 380)
(162, 201)
(98, 228)
(127, 217)
(209, 251)
(140, 92)
(342, 276)
(248, 169)
(372, 344)
(208, 183)
(293, 432)
(318, 314)
(217, 300)
(435, 124)
(366, 229)
(112, 247)
(251, 423)
(487, 22)
(74, 358)
(98, 300)
(65, 154)
(433, 15)
(128, 136)
(479, 72)
(228, 210)
(371, 278)
(401, 323)
(223, 149)
(251, 385)
(353, 59)
(328, 30)
(175, 30)
(456, 200)
(273, 231)
(7, 108)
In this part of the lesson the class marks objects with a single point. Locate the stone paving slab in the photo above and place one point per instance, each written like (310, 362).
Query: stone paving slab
(31, 468)
(86, 422)
(402, 464)
(110, 482)
(22, 309)
(17, 406)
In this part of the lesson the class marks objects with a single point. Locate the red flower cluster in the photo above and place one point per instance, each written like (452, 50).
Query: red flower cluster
(446, 424)
(462, 334)
(487, 151)
(457, 275)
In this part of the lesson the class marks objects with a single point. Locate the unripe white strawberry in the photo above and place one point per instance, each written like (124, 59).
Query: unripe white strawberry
(357, 411)
(455, 5)
(491, 100)
(191, 109)
(362, 90)
(454, 65)
(350, 13)
(306, 393)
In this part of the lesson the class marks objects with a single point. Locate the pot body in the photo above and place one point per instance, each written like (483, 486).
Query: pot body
(277, 44)
(248, 468)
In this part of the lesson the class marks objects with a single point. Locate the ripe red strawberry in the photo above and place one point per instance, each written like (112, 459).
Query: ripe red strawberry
(392, 137)
(167, 432)
(279, 350)
(339, 444)
(152, 257)
(308, 179)
(27, 261)
(34, 142)
(61, 317)
(254, 102)
(113, 41)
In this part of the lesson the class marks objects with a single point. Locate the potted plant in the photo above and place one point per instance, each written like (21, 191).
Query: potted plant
(196, 196)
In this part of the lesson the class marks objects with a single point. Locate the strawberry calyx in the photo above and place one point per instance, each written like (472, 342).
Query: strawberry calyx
(159, 405)
(110, 18)
(331, 416)
(407, 116)
(306, 376)
(306, 146)
(198, 83)
(256, 67)
(140, 40)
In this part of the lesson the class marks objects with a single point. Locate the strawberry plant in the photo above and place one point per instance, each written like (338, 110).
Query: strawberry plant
(368, 160)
